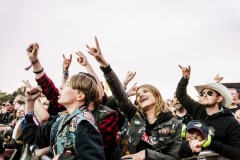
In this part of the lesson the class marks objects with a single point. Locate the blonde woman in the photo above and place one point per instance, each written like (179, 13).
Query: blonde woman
(153, 132)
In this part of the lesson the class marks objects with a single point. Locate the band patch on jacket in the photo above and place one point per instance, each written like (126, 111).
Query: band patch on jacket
(147, 139)
(167, 130)
(73, 124)
(69, 151)
(89, 116)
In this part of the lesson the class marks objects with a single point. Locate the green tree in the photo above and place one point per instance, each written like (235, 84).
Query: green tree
(4, 96)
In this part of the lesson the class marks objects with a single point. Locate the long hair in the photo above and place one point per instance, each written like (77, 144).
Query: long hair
(87, 85)
(160, 105)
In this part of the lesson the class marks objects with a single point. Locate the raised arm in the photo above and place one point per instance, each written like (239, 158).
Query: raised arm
(195, 109)
(32, 52)
(66, 64)
(82, 59)
(40, 112)
(46, 84)
(113, 81)
(130, 75)
(33, 133)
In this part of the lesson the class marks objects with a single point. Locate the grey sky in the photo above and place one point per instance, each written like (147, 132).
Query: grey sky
(149, 37)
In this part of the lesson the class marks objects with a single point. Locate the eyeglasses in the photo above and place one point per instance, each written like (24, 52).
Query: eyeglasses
(209, 93)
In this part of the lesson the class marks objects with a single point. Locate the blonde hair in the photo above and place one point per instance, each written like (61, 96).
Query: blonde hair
(160, 105)
(84, 83)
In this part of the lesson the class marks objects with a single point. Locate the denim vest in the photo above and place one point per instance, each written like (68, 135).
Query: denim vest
(63, 131)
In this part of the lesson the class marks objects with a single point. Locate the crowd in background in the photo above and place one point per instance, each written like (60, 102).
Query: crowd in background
(80, 121)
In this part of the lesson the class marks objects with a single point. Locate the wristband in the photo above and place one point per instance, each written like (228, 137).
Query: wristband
(38, 72)
(65, 74)
(34, 62)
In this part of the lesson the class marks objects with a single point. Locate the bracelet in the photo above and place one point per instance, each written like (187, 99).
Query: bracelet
(65, 74)
(38, 72)
(34, 62)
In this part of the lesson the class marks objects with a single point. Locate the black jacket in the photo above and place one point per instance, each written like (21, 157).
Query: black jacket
(223, 127)
(168, 146)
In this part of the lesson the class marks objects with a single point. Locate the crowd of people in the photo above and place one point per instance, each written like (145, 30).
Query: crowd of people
(80, 121)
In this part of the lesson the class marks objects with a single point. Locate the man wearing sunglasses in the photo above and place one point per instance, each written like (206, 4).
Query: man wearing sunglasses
(6, 116)
(214, 98)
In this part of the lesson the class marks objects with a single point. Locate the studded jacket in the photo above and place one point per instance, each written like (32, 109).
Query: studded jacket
(162, 141)
(73, 136)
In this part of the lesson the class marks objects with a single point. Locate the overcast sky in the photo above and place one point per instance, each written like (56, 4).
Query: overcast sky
(150, 37)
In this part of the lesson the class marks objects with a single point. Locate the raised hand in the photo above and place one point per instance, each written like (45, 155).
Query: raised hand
(32, 93)
(185, 71)
(96, 52)
(129, 77)
(218, 78)
(82, 59)
(32, 51)
(27, 83)
(195, 145)
(66, 62)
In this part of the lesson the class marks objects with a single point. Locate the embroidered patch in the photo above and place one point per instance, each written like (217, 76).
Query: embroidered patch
(124, 141)
(164, 130)
(73, 124)
(147, 139)
(69, 151)
(89, 116)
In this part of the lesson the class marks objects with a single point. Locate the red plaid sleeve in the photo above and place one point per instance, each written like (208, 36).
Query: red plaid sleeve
(50, 91)
(108, 127)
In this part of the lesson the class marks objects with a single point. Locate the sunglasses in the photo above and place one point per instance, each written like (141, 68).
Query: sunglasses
(209, 93)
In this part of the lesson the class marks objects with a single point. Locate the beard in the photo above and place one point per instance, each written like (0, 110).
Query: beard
(208, 104)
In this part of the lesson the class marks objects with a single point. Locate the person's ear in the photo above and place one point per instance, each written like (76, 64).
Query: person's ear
(80, 96)
(219, 99)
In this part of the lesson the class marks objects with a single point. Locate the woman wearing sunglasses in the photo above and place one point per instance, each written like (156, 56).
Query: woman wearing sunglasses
(214, 98)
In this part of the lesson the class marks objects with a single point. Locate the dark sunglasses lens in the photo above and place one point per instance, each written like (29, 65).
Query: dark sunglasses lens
(210, 93)
(202, 93)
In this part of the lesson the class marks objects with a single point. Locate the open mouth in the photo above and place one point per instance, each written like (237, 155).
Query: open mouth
(143, 99)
